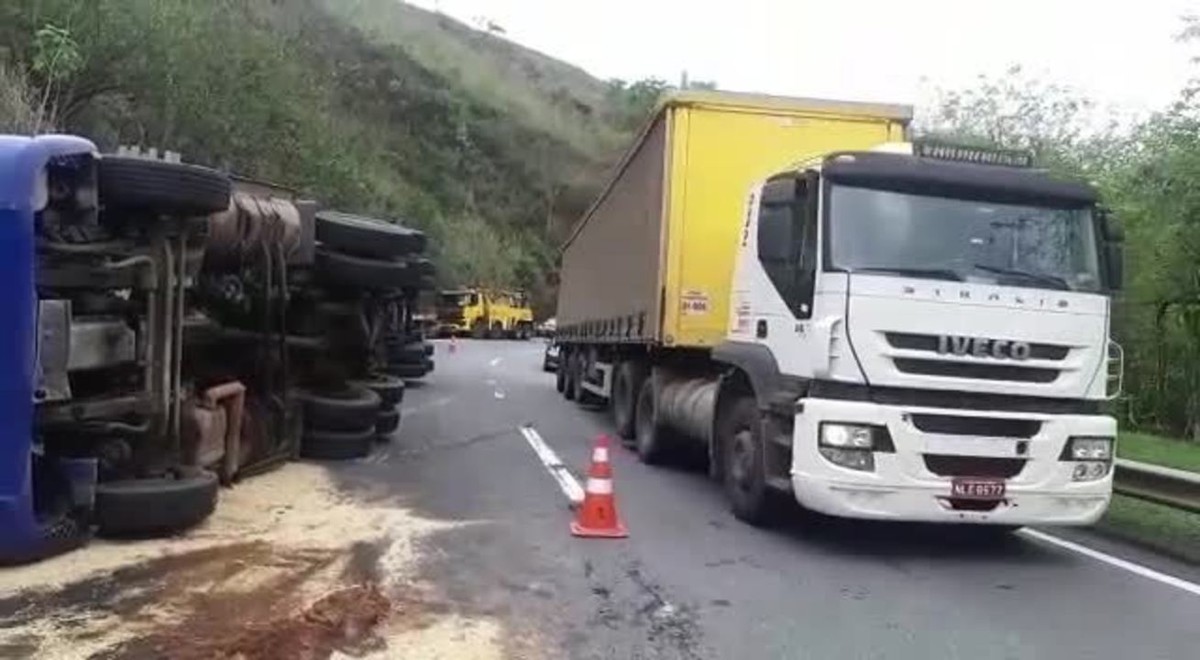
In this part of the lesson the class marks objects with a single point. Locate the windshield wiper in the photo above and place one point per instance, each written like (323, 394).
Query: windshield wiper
(927, 273)
(1049, 280)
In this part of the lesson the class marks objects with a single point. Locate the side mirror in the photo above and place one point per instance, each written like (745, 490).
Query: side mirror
(1114, 264)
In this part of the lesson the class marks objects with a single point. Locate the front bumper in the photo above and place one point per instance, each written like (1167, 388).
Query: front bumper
(902, 487)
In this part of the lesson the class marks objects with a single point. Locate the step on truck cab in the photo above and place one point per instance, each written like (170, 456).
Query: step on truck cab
(875, 328)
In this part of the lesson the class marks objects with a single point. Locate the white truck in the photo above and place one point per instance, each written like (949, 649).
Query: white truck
(875, 328)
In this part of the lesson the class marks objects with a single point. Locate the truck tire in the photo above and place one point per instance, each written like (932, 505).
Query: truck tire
(407, 370)
(361, 272)
(479, 329)
(627, 386)
(338, 445)
(143, 507)
(389, 388)
(580, 395)
(653, 441)
(160, 187)
(350, 408)
(560, 376)
(367, 237)
(740, 431)
(566, 365)
(386, 422)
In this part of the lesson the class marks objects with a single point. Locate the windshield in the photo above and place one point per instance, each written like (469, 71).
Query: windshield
(962, 240)
(460, 299)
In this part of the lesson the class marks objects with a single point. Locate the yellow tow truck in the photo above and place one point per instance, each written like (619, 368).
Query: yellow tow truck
(484, 314)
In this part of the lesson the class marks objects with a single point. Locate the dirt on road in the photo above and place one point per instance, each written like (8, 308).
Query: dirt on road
(288, 567)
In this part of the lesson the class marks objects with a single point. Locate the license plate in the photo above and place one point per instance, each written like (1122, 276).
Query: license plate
(977, 489)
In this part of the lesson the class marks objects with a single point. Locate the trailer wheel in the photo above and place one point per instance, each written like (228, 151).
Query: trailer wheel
(141, 507)
(347, 409)
(161, 187)
(580, 394)
(362, 272)
(567, 366)
(367, 237)
(386, 422)
(479, 329)
(560, 375)
(653, 440)
(338, 445)
(745, 473)
(627, 386)
(389, 388)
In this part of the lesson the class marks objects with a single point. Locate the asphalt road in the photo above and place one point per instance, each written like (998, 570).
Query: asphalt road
(693, 582)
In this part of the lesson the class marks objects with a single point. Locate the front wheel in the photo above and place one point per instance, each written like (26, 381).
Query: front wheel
(740, 433)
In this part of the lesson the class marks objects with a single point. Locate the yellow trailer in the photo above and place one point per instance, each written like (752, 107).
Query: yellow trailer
(652, 261)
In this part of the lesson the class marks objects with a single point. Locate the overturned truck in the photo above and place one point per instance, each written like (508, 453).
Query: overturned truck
(171, 329)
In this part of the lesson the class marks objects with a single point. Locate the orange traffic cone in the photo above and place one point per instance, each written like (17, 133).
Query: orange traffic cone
(598, 515)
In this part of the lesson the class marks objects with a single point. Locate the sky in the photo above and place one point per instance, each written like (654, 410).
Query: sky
(1121, 53)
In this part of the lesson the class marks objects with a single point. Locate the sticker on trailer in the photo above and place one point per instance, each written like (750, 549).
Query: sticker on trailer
(694, 302)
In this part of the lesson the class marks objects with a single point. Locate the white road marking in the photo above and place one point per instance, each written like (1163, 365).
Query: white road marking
(566, 481)
(499, 394)
(495, 362)
(1125, 565)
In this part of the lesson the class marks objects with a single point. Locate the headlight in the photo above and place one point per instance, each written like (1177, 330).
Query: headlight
(847, 436)
(853, 446)
(1089, 449)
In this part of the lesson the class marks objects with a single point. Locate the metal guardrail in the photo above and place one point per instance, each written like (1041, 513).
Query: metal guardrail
(1178, 489)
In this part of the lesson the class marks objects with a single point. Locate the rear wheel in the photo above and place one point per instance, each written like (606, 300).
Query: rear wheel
(144, 507)
(741, 436)
(560, 372)
(566, 366)
(627, 386)
(479, 329)
(652, 439)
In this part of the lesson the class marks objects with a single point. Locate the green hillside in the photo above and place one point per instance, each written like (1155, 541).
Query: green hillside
(370, 105)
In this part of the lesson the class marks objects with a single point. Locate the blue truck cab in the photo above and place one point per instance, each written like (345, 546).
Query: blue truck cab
(44, 505)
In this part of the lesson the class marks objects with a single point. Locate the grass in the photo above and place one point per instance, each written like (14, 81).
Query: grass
(1158, 450)
(1168, 530)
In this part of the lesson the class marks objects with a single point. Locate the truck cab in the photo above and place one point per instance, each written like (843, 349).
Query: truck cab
(483, 314)
(937, 320)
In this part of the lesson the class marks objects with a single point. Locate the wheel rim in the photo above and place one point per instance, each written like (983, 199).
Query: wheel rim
(741, 463)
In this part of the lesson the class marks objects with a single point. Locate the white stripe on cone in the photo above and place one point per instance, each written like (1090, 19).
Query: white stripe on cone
(600, 455)
(600, 486)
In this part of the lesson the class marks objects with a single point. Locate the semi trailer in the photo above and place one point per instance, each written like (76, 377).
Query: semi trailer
(873, 327)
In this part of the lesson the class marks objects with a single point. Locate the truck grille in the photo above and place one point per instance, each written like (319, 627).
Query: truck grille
(945, 465)
(984, 426)
(976, 371)
(915, 342)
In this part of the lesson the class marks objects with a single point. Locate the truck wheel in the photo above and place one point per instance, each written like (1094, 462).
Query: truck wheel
(653, 440)
(337, 445)
(741, 437)
(579, 394)
(347, 409)
(361, 272)
(389, 388)
(479, 330)
(560, 376)
(367, 237)
(161, 187)
(568, 365)
(386, 422)
(627, 386)
(141, 507)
